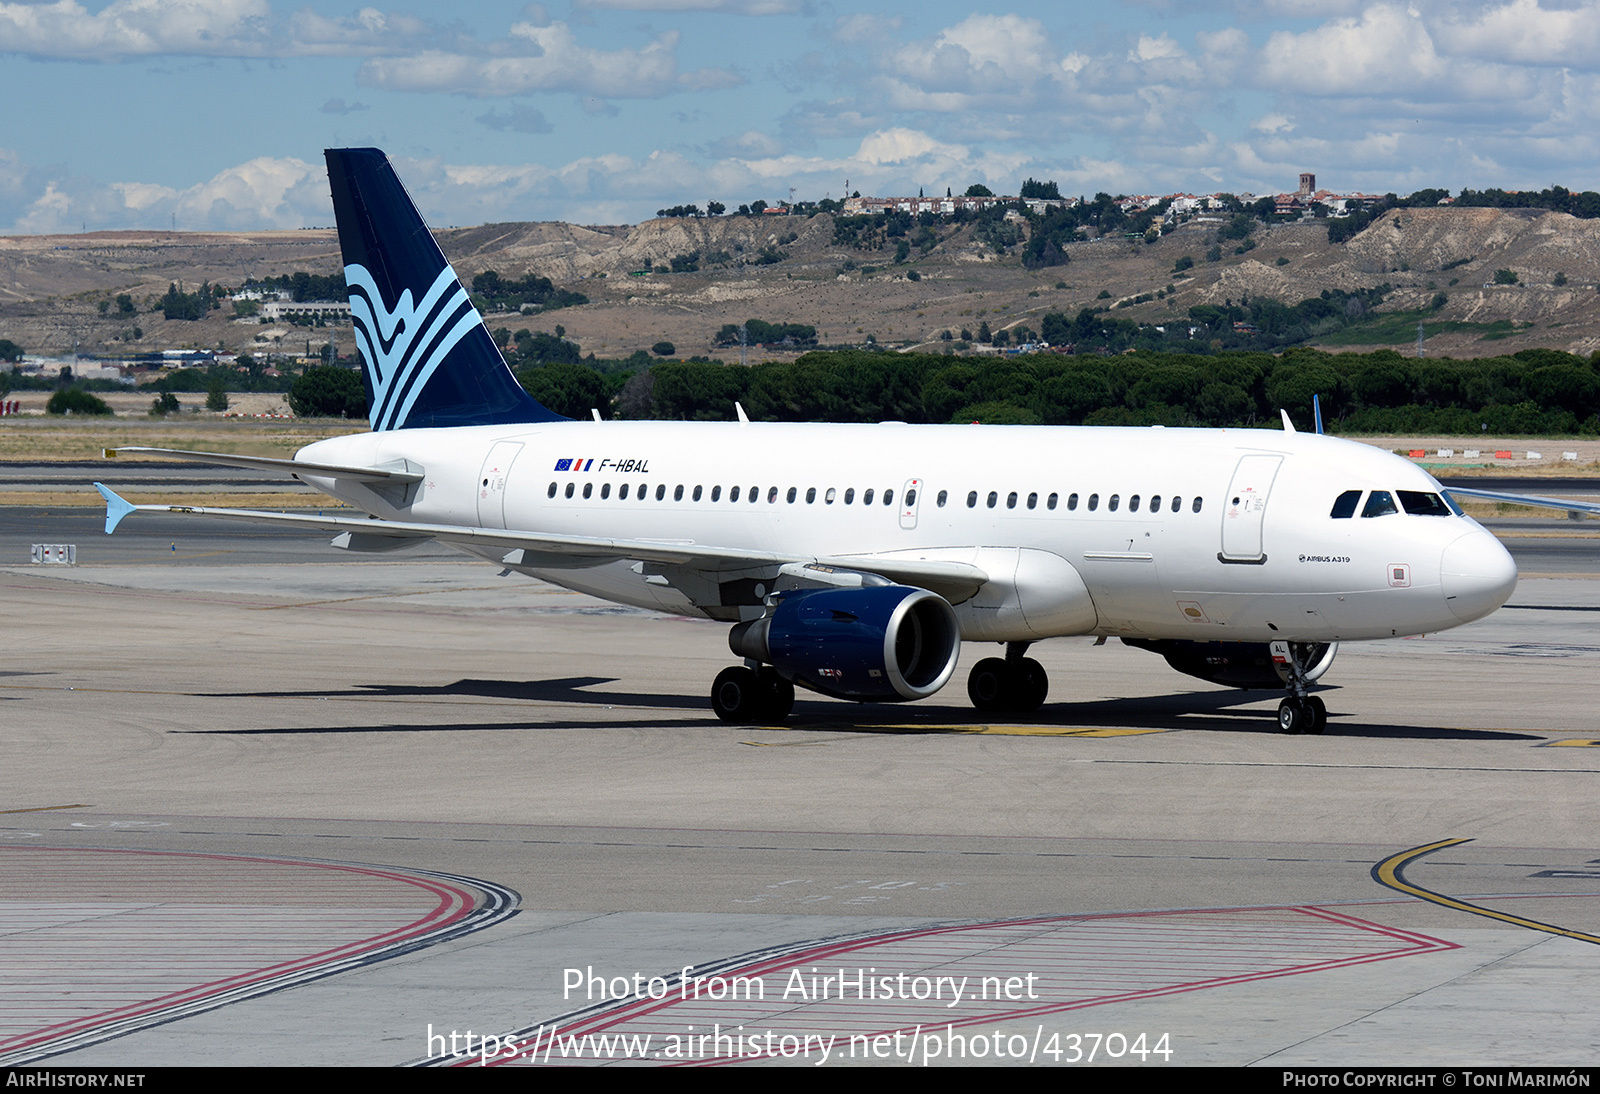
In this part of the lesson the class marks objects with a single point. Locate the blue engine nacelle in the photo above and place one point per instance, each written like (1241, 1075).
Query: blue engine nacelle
(874, 645)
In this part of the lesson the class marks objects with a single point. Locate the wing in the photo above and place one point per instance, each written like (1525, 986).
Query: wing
(955, 581)
(1526, 499)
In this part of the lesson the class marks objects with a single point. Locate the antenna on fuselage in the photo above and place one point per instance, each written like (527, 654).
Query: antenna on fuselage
(1316, 411)
(596, 412)
(1288, 426)
(744, 419)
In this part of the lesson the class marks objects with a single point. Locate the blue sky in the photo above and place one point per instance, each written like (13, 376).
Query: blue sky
(213, 113)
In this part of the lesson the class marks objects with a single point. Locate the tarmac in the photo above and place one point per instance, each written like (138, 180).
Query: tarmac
(267, 803)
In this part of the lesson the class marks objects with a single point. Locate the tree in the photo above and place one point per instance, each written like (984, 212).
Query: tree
(75, 401)
(663, 349)
(328, 392)
(216, 395)
(164, 404)
(979, 190)
(10, 351)
(715, 208)
(1505, 277)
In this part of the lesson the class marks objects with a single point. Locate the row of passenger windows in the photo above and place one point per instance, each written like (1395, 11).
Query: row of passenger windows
(832, 494)
(1381, 503)
(733, 493)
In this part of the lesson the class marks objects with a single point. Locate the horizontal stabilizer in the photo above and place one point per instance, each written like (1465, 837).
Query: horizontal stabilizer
(116, 507)
(286, 467)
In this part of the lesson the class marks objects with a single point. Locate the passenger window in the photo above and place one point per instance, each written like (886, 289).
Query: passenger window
(1196, 506)
(1421, 504)
(888, 497)
(911, 498)
(972, 499)
(1072, 502)
(866, 499)
(1094, 502)
(1011, 500)
(551, 492)
(1112, 505)
(811, 495)
(772, 495)
(1177, 503)
(622, 493)
(1050, 502)
(605, 491)
(944, 496)
(790, 495)
(993, 498)
(1133, 504)
(827, 499)
(733, 495)
(716, 493)
(1033, 501)
(588, 488)
(849, 495)
(661, 491)
(1344, 506)
(571, 489)
(1155, 503)
(755, 493)
(696, 495)
(1379, 504)
(677, 492)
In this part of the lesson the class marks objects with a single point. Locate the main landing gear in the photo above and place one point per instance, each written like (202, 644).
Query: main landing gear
(742, 694)
(1016, 684)
(1298, 664)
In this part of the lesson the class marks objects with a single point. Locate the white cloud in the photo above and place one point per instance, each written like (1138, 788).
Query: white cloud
(263, 193)
(729, 7)
(983, 53)
(136, 28)
(1526, 32)
(548, 58)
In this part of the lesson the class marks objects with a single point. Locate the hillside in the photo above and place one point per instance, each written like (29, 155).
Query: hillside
(50, 286)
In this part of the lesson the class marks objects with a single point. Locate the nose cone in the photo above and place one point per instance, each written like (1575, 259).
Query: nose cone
(1477, 575)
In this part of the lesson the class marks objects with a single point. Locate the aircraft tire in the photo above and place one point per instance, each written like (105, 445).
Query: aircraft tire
(989, 685)
(1030, 687)
(1319, 715)
(1293, 716)
(777, 695)
(737, 695)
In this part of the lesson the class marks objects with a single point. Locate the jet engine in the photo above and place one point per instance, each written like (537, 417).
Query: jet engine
(1236, 664)
(883, 644)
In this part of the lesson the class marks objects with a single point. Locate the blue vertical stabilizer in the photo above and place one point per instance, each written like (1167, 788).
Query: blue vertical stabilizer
(426, 357)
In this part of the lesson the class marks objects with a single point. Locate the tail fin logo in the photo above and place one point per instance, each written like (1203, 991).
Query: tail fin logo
(403, 345)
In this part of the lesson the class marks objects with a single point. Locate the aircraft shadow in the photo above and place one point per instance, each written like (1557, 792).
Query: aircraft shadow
(1206, 711)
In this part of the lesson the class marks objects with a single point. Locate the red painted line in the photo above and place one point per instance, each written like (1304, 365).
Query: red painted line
(451, 905)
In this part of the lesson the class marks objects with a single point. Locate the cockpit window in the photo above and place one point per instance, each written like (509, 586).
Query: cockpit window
(1344, 506)
(1380, 503)
(1454, 508)
(1421, 504)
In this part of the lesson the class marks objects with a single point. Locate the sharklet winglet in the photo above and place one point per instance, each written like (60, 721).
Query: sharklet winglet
(116, 507)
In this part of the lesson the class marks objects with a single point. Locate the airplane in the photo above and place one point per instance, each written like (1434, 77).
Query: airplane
(853, 560)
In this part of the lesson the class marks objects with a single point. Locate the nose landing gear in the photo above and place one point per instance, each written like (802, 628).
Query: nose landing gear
(1298, 665)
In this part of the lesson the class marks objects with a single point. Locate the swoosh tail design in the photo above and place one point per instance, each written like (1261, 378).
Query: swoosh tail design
(427, 359)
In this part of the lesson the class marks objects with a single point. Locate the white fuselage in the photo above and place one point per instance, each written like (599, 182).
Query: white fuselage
(1209, 535)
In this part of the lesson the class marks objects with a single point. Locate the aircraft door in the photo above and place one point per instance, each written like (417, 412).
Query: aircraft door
(910, 498)
(1245, 508)
(492, 482)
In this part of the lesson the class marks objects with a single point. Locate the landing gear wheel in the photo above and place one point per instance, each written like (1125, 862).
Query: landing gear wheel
(777, 694)
(1031, 685)
(737, 695)
(1319, 715)
(1293, 716)
(989, 685)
